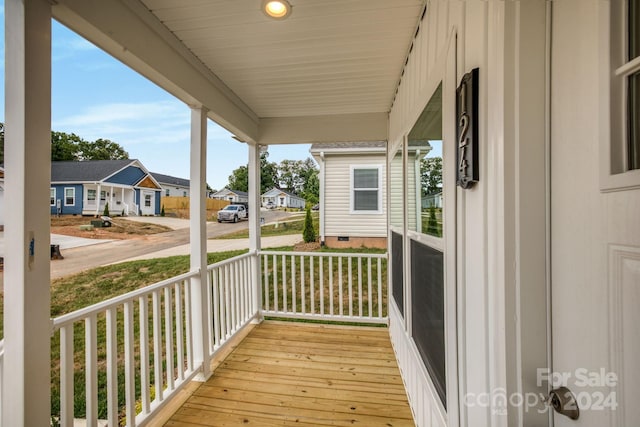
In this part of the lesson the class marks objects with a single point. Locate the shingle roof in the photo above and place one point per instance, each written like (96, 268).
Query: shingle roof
(346, 146)
(279, 190)
(88, 170)
(171, 180)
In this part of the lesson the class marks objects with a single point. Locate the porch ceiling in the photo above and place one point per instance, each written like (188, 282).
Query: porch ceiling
(329, 58)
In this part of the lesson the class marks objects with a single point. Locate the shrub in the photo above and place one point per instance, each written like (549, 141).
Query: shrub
(432, 225)
(106, 210)
(308, 233)
(162, 211)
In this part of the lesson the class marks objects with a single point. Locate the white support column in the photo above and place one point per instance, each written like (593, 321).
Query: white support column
(254, 224)
(321, 201)
(198, 240)
(98, 199)
(27, 330)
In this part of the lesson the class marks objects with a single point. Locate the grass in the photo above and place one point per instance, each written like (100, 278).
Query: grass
(278, 229)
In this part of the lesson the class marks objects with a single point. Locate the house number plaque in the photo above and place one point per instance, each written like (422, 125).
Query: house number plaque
(467, 130)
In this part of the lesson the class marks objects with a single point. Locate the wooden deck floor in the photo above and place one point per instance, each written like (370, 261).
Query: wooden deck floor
(292, 374)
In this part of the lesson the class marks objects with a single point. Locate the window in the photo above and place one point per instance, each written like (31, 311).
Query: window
(147, 200)
(633, 86)
(620, 163)
(91, 195)
(365, 185)
(184, 194)
(52, 197)
(103, 196)
(69, 196)
(167, 192)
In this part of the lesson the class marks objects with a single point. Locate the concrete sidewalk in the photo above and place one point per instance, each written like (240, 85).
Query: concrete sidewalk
(221, 245)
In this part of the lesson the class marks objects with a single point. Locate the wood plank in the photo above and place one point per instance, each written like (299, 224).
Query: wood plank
(285, 374)
(319, 390)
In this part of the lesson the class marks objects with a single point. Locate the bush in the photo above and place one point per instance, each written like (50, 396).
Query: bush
(162, 211)
(106, 210)
(432, 225)
(308, 233)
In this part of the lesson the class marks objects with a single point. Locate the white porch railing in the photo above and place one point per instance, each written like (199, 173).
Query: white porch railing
(123, 358)
(137, 351)
(326, 286)
(230, 298)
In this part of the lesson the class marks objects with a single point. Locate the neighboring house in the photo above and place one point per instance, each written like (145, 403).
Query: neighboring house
(432, 200)
(84, 188)
(172, 186)
(276, 198)
(233, 196)
(353, 180)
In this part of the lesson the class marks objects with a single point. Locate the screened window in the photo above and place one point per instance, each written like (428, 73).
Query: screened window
(52, 198)
(167, 192)
(366, 189)
(103, 196)
(91, 195)
(69, 196)
(147, 200)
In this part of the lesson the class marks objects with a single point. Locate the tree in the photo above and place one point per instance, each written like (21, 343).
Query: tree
(100, 149)
(432, 225)
(71, 147)
(64, 147)
(431, 175)
(239, 179)
(308, 232)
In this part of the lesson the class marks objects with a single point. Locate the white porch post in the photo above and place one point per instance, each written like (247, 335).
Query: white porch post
(254, 225)
(98, 199)
(26, 385)
(198, 240)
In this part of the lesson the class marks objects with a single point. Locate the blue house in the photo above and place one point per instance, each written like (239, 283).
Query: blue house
(85, 188)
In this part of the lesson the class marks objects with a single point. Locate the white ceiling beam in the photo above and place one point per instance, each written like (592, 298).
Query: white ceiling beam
(129, 32)
(331, 128)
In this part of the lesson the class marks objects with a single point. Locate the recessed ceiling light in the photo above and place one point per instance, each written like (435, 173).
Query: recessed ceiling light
(276, 9)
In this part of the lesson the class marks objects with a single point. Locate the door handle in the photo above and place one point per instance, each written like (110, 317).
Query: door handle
(563, 401)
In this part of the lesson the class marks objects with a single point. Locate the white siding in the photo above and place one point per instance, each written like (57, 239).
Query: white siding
(339, 221)
(174, 191)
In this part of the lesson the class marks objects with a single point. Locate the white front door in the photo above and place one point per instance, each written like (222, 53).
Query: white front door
(595, 234)
(148, 202)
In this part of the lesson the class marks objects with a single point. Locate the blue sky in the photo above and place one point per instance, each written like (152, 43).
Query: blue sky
(96, 96)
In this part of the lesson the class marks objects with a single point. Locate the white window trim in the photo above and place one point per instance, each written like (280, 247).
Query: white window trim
(55, 193)
(352, 210)
(614, 175)
(65, 196)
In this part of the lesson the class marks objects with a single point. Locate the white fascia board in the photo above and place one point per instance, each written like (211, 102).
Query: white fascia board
(132, 34)
(329, 128)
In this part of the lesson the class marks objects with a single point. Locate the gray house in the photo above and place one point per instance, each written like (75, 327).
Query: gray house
(172, 186)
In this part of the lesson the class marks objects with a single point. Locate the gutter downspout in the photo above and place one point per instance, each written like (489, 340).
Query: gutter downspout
(322, 191)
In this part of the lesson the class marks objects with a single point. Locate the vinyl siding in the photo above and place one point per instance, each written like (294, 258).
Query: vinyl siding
(60, 195)
(339, 221)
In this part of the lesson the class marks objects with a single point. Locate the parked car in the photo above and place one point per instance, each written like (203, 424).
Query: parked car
(233, 213)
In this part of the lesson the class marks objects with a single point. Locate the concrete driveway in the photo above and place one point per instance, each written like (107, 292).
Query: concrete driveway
(65, 242)
(172, 223)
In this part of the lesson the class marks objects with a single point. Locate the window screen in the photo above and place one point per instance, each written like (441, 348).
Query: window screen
(427, 312)
(365, 189)
(397, 261)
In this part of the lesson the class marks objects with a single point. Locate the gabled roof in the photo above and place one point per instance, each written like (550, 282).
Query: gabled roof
(170, 180)
(86, 171)
(275, 191)
(349, 147)
(229, 191)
